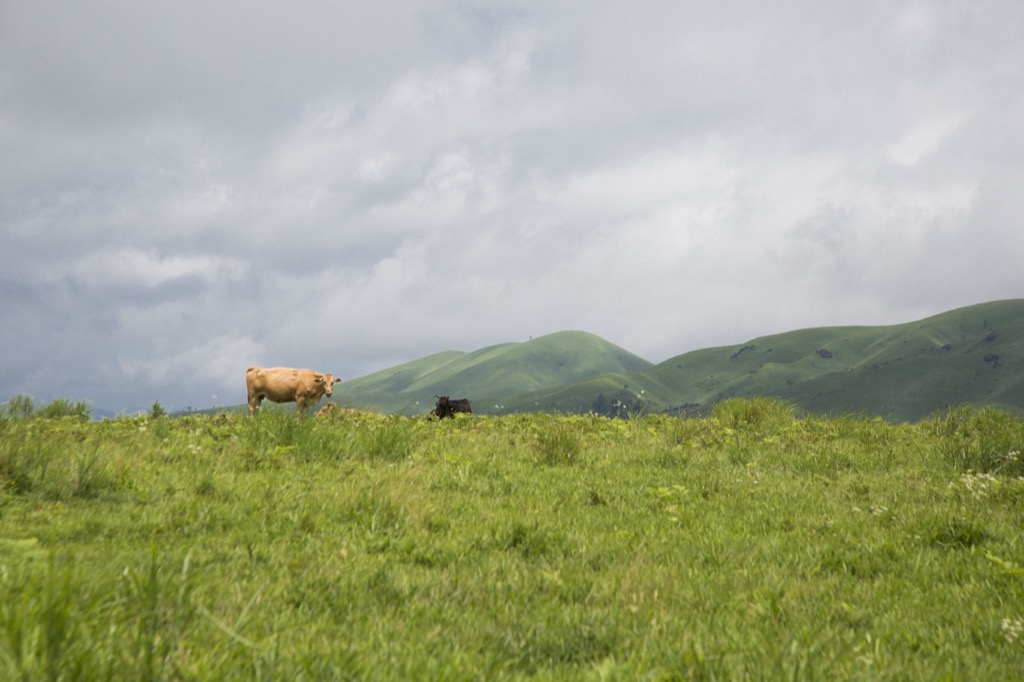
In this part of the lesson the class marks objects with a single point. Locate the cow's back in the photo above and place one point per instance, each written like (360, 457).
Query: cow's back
(276, 383)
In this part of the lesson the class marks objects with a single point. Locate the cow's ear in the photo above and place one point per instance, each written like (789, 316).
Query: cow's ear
(318, 379)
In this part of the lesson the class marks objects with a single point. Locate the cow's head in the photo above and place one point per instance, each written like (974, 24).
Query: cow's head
(328, 381)
(443, 407)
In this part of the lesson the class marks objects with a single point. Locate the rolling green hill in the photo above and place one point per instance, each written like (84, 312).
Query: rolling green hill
(900, 372)
(489, 375)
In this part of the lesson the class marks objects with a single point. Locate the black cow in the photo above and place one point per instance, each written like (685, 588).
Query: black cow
(446, 407)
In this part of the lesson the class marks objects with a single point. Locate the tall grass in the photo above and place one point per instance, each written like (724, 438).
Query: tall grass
(23, 406)
(559, 444)
(759, 414)
(57, 461)
(981, 439)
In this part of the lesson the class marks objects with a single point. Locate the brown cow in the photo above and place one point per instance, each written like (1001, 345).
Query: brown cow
(285, 385)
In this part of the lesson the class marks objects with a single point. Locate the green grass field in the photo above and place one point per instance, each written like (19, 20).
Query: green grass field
(748, 544)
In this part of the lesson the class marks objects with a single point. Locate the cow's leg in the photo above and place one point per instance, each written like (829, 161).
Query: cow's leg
(254, 404)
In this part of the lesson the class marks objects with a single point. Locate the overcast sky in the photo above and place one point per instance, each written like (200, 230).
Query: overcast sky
(187, 188)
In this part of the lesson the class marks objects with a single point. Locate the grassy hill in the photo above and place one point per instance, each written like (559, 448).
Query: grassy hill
(489, 375)
(901, 372)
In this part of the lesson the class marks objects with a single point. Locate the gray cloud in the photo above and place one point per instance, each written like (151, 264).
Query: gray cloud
(191, 189)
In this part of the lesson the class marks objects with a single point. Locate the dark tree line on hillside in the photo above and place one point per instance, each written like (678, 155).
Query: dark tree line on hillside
(618, 407)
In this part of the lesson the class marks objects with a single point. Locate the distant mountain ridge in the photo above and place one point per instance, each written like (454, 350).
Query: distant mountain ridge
(489, 375)
(902, 372)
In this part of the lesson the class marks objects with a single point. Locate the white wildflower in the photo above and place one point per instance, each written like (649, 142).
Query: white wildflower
(1012, 629)
(978, 485)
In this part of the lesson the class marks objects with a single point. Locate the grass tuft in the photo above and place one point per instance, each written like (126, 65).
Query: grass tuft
(759, 414)
(559, 445)
(981, 439)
